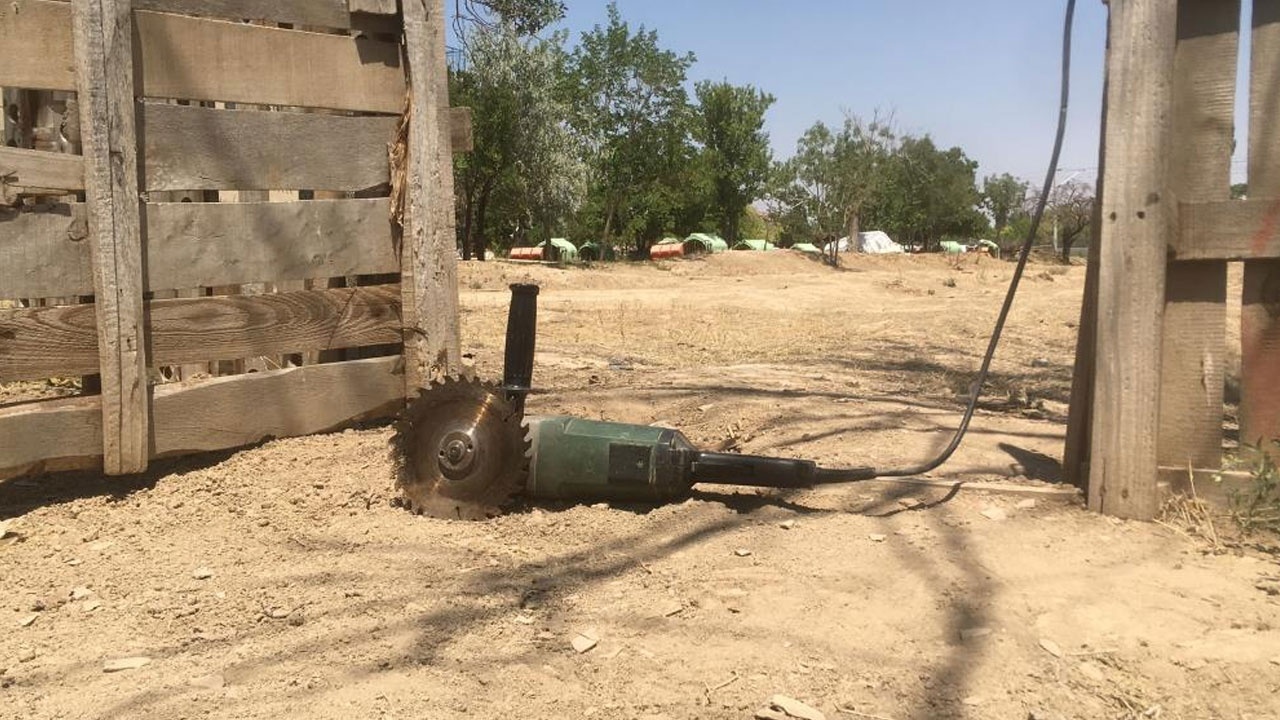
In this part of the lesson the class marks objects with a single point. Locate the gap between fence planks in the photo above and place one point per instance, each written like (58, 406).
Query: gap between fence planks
(1259, 326)
(102, 32)
(208, 415)
(1195, 310)
(1137, 219)
(255, 64)
(61, 341)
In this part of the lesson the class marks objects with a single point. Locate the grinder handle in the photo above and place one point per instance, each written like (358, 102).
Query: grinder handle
(753, 470)
(522, 330)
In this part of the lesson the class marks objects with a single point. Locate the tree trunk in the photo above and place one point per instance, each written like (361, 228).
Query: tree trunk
(466, 226)
(482, 209)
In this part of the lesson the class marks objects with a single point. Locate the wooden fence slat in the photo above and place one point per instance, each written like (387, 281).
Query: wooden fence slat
(380, 7)
(37, 169)
(318, 13)
(103, 31)
(1136, 219)
(61, 341)
(1228, 230)
(45, 254)
(1260, 313)
(35, 45)
(212, 244)
(198, 59)
(198, 148)
(208, 415)
(429, 266)
(1195, 311)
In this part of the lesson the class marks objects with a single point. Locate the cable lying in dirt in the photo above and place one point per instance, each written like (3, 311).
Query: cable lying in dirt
(838, 475)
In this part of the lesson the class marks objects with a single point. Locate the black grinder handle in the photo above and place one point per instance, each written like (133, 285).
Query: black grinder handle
(522, 330)
(756, 471)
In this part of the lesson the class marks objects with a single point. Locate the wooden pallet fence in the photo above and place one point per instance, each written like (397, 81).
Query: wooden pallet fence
(1147, 410)
(182, 100)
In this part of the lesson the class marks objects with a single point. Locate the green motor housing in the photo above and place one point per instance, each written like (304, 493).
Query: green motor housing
(590, 460)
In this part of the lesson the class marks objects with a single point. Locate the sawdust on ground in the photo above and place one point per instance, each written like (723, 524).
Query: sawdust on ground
(279, 581)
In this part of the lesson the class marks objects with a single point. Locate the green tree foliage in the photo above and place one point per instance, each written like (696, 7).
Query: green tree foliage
(633, 116)
(926, 194)
(1004, 198)
(819, 194)
(526, 17)
(735, 148)
(524, 172)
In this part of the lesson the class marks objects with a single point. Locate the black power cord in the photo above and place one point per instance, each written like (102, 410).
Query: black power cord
(838, 475)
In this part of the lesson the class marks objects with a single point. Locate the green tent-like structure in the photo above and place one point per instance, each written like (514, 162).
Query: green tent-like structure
(703, 243)
(592, 251)
(757, 245)
(558, 250)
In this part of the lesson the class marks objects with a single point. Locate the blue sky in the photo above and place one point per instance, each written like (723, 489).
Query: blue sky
(981, 74)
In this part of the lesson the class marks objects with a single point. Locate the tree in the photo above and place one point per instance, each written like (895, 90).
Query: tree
(825, 185)
(526, 17)
(633, 115)
(736, 147)
(523, 171)
(1239, 191)
(1003, 197)
(1071, 212)
(926, 194)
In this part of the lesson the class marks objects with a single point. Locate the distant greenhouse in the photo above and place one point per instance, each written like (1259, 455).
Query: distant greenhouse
(592, 251)
(558, 250)
(753, 244)
(704, 243)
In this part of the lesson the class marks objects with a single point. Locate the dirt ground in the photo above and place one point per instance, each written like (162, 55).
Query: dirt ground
(281, 581)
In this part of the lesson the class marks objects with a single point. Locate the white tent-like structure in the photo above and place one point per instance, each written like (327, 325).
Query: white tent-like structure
(871, 243)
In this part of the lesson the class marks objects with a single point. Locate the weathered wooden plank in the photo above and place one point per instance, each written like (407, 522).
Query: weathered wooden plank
(1260, 312)
(432, 345)
(1136, 219)
(320, 13)
(199, 59)
(1076, 451)
(103, 32)
(1227, 230)
(204, 416)
(50, 435)
(198, 148)
(1195, 311)
(211, 244)
(44, 254)
(35, 45)
(380, 7)
(45, 170)
(57, 341)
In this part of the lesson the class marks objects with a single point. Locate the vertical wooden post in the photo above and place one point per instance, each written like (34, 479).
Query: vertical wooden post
(1076, 451)
(430, 265)
(1195, 311)
(103, 38)
(1260, 314)
(1137, 217)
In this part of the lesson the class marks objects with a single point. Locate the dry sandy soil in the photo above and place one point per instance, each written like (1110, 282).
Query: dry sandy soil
(281, 581)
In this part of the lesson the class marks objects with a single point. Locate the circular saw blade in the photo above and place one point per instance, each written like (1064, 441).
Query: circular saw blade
(461, 451)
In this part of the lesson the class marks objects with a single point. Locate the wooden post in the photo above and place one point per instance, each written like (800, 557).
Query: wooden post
(430, 267)
(1260, 314)
(1195, 311)
(103, 39)
(1137, 219)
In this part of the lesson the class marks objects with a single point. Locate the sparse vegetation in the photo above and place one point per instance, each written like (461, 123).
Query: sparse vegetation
(1256, 507)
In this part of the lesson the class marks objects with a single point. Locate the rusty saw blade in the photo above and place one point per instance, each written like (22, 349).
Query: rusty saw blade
(461, 451)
